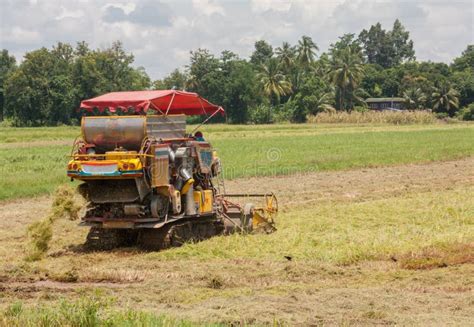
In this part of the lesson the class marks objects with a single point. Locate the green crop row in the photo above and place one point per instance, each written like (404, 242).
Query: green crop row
(38, 168)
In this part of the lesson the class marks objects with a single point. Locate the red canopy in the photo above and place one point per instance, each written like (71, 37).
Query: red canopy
(164, 101)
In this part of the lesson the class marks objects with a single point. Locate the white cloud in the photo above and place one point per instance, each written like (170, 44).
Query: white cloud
(208, 7)
(260, 6)
(160, 33)
(181, 22)
(126, 7)
(69, 13)
(21, 35)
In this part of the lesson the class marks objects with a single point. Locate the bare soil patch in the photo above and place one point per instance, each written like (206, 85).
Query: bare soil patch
(360, 184)
(438, 257)
(425, 287)
(306, 188)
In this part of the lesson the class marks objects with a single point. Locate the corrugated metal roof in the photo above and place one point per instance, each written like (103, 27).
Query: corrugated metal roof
(385, 100)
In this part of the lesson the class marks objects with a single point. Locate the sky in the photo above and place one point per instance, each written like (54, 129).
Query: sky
(161, 33)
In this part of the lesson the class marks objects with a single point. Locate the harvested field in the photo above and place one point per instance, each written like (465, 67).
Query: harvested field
(390, 245)
(361, 184)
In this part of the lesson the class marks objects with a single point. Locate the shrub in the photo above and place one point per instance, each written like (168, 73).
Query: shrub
(261, 114)
(361, 109)
(441, 115)
(6, 123)
(377, 117)
(284, 113)
(466, 113)
(291, 111)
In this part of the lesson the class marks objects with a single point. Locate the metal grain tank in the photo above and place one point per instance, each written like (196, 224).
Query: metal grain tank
(111, 132)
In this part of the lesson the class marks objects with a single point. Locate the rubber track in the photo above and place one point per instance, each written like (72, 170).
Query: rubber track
(101, 239)
(179, 233)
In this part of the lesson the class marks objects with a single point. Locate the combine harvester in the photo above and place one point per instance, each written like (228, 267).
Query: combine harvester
(148, 182)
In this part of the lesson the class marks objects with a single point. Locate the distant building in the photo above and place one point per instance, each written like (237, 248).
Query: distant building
(386, 103)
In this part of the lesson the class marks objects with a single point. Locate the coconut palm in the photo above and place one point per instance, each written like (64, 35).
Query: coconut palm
(445, 98)
(321, 67)
(358, 97)
(414, 98)
(346, 74)
(286, 55)
(306, 50)
(273, 81)
(322, 103)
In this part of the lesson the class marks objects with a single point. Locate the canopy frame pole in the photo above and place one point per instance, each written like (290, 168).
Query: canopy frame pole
(156, 108)
(206, 120)
(169, 105)
(202, 107)
(204, 112)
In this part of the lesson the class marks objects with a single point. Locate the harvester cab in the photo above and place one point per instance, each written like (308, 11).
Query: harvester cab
(147, 181)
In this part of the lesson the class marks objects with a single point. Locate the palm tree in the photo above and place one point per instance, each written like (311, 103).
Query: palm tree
(321, 67)
(346, 73)
(286, 55)
(445, 98)
(273, 81)
(306, 50)
(322, 103)
(358, 96)
(414, 98)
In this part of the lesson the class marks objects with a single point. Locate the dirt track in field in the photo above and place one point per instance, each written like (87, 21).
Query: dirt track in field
(360, 184)
(309, 188)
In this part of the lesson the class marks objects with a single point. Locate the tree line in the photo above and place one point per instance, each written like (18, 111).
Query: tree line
(283, 83)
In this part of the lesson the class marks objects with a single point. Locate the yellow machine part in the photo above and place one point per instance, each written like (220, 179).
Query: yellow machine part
(176, 202)
(187, 185)
(204, 200)
(111, 169)
(263, 217)
(120, 155)
(258, 218)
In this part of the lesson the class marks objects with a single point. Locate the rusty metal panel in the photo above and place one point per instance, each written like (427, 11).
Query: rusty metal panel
(117, 224)
(160, 166)
(110, 132)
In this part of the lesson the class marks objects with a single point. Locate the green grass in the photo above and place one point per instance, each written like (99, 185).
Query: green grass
(87, 311)
(35, 134)
(256, 155)
(347, 233)
(29, 166)
(32, 171)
